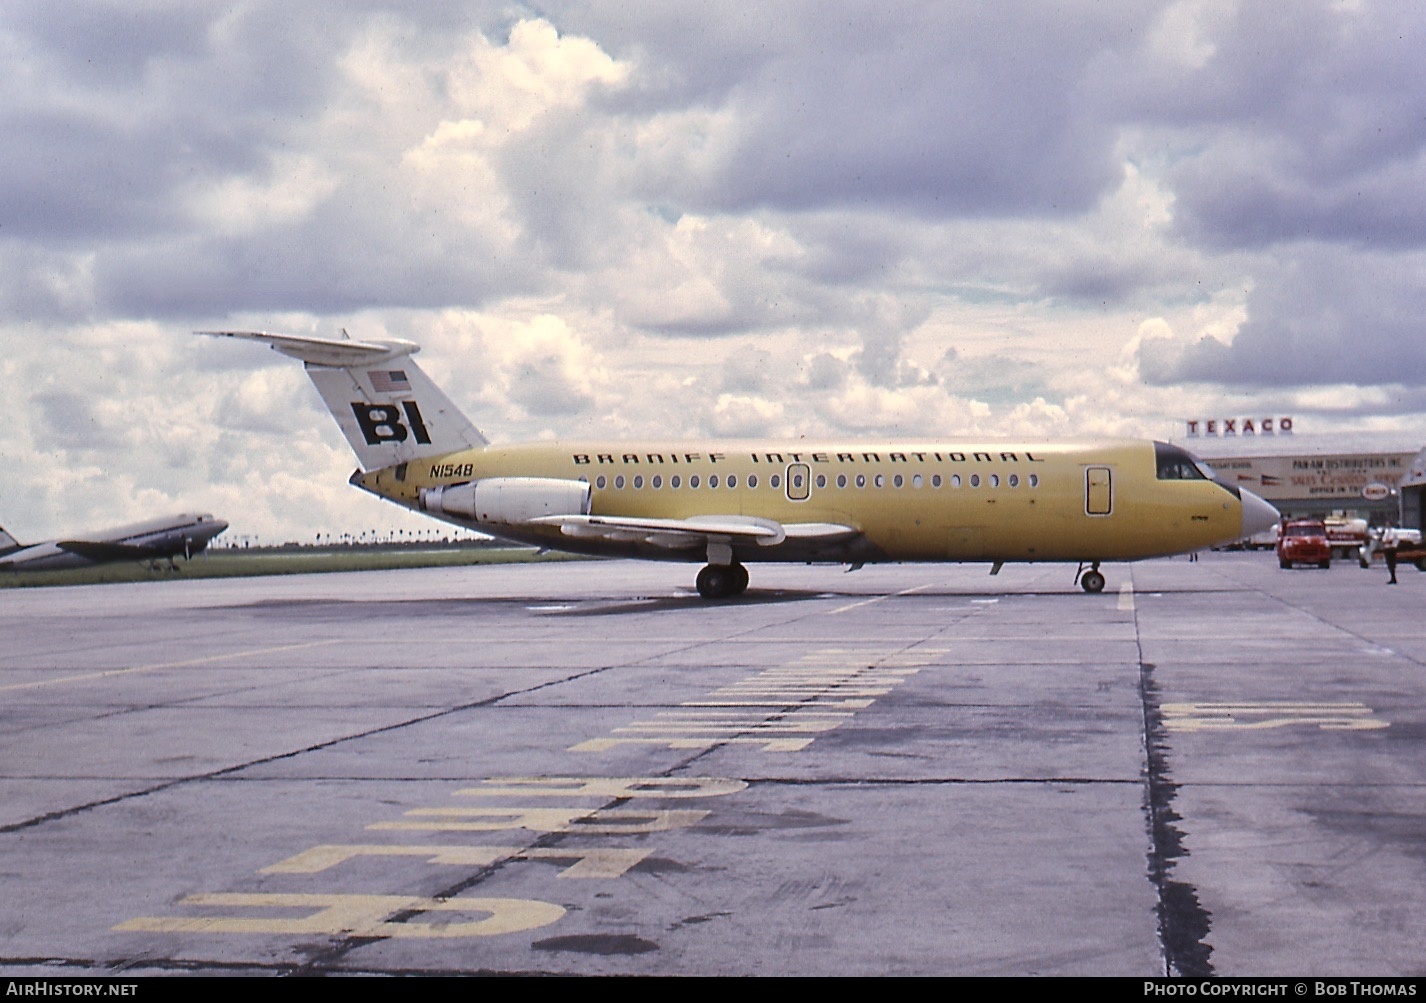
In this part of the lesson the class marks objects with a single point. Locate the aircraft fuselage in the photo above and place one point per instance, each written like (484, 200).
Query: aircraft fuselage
(975, 500)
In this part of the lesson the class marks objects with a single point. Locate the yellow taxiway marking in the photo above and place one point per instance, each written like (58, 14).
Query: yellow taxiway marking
(605, 787)
(352, 916)
(783, 704)
(164, 665)
(1126, 596)
(1255, 715)
(600, 821)
(597, 862)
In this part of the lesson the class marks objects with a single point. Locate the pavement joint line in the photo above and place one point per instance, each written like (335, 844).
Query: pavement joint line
(876, 599)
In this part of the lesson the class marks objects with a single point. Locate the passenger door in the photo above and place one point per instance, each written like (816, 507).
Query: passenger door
(1098, 491)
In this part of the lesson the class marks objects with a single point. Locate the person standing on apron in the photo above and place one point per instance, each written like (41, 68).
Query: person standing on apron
(1389, 542)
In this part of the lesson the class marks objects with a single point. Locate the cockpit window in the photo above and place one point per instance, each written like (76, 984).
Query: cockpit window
(1175, 464)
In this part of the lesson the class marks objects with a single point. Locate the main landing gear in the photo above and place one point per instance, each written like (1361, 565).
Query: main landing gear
(1091, 580)
(719, 581)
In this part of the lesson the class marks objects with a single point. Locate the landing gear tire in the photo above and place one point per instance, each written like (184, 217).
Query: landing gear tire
(1092, 581)
(718, 581)
(741, 580)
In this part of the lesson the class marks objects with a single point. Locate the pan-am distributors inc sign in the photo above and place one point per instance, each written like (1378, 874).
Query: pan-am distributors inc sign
(1347, 476)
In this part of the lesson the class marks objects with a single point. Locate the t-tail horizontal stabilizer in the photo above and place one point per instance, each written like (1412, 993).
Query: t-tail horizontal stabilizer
(387, 407)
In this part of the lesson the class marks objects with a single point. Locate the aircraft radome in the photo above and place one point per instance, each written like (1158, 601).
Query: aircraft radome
(143, 541)
(729, 504)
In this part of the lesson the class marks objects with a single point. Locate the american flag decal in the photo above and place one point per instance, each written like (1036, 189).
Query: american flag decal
(388, 381)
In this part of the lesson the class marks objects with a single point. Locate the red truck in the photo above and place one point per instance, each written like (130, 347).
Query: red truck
(1304, 541)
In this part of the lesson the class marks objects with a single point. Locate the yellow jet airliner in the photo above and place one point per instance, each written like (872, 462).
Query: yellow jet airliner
(732, 503)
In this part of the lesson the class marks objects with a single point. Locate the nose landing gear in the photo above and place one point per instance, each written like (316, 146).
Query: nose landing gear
(720, 581)
(1091, 581)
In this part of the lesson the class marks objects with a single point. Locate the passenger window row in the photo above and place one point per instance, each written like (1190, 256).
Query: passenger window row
(675, 481)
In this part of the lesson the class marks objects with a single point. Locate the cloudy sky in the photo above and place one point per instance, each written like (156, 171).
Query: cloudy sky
(692, 219)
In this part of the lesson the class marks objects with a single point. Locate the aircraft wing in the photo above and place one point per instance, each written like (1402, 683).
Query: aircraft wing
(685, 534)
(96, 551)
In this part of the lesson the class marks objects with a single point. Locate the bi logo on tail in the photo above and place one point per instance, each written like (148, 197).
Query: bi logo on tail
(382, 422)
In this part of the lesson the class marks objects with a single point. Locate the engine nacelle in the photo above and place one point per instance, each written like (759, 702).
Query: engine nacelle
(508, 501)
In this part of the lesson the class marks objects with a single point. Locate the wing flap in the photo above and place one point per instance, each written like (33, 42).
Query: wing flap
(685, 534)
(826, 532)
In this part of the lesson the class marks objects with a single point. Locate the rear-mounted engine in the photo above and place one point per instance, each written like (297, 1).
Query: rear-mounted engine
(508, 501)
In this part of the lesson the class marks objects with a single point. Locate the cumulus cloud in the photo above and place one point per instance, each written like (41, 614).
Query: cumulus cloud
(1312, 319)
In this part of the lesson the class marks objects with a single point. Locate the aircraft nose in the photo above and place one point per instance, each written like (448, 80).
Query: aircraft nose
(1258, 515)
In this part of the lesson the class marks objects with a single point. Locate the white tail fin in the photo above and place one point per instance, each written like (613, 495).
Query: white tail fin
(386, 406)
(8, 542)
